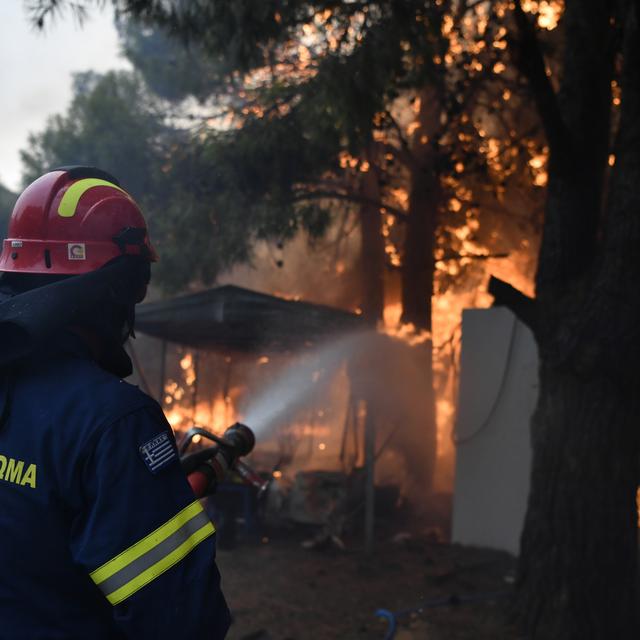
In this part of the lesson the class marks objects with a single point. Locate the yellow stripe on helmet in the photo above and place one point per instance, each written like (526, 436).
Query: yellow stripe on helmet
(69, 202)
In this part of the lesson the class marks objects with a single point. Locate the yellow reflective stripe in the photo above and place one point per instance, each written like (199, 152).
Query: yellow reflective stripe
(161, 566)
(69, 202)
(146, 544)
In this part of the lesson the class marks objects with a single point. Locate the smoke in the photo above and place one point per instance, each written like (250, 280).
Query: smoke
(364, 372)
(324, 271)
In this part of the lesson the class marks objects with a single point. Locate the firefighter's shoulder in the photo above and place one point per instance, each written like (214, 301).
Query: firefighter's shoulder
(79, 394)
(60, 410)
(103, 397)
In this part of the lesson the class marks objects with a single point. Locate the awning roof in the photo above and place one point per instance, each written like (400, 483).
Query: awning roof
(231, 318)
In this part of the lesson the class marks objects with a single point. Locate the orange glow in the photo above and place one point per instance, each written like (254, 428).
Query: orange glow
(548, 13)
(406, 332)
(538, 164)
(215, 413)
(456, 257)
(301, 429)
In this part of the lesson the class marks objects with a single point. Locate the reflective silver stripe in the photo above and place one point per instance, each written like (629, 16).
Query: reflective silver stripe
(155, 554)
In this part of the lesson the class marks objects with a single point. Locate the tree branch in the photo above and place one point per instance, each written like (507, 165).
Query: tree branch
(530, 60)
(473, 256)
(350, 197)
(398, 154)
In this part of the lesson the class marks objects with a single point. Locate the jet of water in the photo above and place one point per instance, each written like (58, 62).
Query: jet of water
(294, 387)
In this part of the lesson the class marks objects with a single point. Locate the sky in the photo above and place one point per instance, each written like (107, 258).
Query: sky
(36, 70)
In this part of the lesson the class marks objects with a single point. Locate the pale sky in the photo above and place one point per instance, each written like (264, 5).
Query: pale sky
(35, 73)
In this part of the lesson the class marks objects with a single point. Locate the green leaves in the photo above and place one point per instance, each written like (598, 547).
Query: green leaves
(111, 123)
(274, 107)
(7, 200)
(172, 70)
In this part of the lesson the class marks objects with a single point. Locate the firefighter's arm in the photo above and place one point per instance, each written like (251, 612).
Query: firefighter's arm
(143, 538)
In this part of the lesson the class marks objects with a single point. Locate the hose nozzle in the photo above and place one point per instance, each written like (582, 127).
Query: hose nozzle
(240, 438)
(208, 467)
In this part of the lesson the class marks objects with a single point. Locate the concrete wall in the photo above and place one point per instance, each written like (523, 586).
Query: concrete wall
(498, 391)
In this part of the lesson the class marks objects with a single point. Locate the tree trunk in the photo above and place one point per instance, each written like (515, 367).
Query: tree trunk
(418, 269)
(417, 291)
(578, 563)
(578, 566)
(372, 255)
(418, 264)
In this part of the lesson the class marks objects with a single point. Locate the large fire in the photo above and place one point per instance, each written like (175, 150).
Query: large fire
(464, 257)
(315, 435)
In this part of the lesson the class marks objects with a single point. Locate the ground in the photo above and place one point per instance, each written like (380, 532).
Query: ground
(279, 591)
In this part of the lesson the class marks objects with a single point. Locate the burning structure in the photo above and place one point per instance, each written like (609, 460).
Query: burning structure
(314, 382)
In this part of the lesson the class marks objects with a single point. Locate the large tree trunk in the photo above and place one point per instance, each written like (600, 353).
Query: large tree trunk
(417, 292)
(372, 254)
(578, 562)
(418, 264)
(418, 269)
(578, 565)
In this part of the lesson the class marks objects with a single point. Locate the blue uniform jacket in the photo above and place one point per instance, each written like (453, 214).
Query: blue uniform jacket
(100, 534)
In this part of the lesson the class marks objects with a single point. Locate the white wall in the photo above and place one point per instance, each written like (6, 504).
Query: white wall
(498, 391)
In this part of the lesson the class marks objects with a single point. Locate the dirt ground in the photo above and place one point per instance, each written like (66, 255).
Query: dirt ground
(279, 591)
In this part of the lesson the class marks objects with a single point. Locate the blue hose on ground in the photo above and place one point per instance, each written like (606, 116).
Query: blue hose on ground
(443, 601)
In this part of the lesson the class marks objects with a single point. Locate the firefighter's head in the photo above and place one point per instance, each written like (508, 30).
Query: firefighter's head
(78, 224)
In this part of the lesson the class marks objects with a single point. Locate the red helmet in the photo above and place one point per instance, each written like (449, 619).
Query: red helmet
(73, 220)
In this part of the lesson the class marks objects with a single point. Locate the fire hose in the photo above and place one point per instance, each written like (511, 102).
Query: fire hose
(208, 467)
(452, 600)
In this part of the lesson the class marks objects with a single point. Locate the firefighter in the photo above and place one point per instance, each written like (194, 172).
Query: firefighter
(101, 534)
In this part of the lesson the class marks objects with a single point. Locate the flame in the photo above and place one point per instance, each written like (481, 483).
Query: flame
(406, 332)
(322, 35)
(446, 318)
(215, 413)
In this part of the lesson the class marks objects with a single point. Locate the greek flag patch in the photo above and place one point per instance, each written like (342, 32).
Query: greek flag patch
(158, 452)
